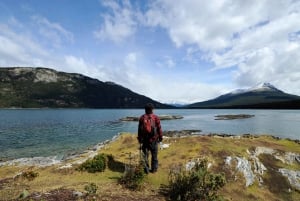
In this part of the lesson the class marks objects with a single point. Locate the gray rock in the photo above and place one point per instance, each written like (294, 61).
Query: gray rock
(243, 166)
(259, 167)
(77, 194)
(292, 157)
(287, 157)
(292, 176)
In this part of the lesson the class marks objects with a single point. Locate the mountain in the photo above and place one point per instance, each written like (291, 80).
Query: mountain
(42, 87)
(264, 96)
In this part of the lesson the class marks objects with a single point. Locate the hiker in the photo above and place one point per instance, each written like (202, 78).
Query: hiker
(149, 135)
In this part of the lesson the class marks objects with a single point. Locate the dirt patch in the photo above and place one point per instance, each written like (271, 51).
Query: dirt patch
(68, 195)
(132, 198)
(54, 195)
(4, 182)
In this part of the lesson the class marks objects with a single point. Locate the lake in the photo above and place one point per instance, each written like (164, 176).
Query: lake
(59, 132)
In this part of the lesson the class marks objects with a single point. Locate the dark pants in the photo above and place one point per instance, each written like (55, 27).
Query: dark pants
(151, 147)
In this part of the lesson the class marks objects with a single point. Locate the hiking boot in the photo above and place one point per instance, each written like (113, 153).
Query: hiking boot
(146, 170)
(153, 171)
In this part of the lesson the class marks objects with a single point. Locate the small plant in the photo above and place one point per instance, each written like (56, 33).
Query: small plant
(29, 175)
(195, 184)
(134, 175)
(91, 189)
(97, 164)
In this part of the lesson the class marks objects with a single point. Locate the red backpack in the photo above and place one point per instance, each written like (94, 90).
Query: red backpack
(148, 125)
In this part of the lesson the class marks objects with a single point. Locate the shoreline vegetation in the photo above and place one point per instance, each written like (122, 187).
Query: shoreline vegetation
(256, 167)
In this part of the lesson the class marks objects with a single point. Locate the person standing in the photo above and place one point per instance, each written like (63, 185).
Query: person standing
(149, 135)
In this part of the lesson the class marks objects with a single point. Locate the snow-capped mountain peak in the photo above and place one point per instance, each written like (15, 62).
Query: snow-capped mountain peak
(264, 87)
(260, 87)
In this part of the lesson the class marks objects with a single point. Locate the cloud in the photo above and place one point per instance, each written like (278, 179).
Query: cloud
(166, 61)
(18, 49)
(257, 40)
(252, 39)
(23, 47)
(53, 32)
(119, 24)
(124, 72)
(130, 59)
(79, 65)
(182, 92)
(265, 53)
(211, 43)
(210, 25)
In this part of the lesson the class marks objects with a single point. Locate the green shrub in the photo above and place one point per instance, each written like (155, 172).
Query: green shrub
(91, 189)
(29, 175)
(133, 177)
(134, 174)
(196, 184)
(97, 164)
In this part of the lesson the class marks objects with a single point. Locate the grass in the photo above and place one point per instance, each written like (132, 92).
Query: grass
(181, 150)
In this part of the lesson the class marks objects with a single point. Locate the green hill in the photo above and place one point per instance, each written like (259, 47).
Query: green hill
(43, 87)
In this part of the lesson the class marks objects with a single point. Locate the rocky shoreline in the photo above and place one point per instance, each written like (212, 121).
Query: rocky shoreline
(92, 151)
(55, 160)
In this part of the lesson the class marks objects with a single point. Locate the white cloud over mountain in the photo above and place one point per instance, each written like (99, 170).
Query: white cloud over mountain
(188, 50)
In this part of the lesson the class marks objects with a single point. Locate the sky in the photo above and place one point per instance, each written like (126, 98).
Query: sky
(181, 51)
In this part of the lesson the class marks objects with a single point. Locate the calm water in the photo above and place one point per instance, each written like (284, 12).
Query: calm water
(49, 132)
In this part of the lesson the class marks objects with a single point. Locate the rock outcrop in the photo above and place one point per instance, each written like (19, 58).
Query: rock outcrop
(244, 166)
(253, 169)
(293, 177)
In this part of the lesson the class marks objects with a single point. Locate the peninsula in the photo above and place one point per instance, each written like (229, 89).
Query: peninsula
(161, 117)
